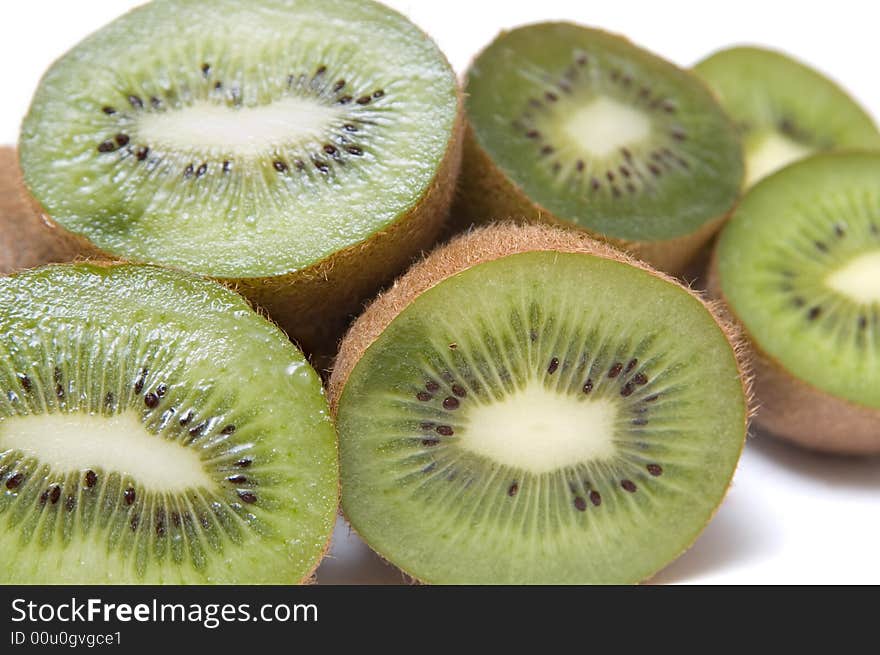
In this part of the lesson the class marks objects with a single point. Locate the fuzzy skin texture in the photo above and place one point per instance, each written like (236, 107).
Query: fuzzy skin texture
(315, 305)
(791, 409)
(482, 245)
(26, 239)
(486, 194)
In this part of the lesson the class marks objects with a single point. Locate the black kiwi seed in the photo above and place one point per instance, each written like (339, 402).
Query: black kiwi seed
(141, 153)
(229, 429)
(135, 102)
(129, 496)
(338, 86)
(580, 504)
(631, 365)
(106, 146)
(348, 127)
(628, 485)
(55, 494)
(202, 170)
(186, 418)
(151, 400)
(91, 479)
(459, 390)
(139, 382)
(424, 396)
(595, 498)
(247, 496)
(445, 430)
(654, 469)
(279, 165)
(206, 69)
(354, 150)
(554, 364)
(330, 150)
(651, 399)
(615, 370)
(44, 497)
(588, 386)
(378, 93)
(70, 503)
(14, 481)
(243, 463)
(321, 166)
(161, 390)
(450, 403)
(344, 100)
(814, 313)
(431, 441)
(432, 386)
(227, 166)
(513, 489)
(121, 139)
(188, 171)
(640, 379)
(820, 246)
(108, 110)
(627, 389)
(24, 381)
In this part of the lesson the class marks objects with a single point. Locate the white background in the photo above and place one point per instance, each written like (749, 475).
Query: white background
(791, 516)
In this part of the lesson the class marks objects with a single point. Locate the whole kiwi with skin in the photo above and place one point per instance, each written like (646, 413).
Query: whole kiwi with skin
(26, 240)
(155, 430)
(798, 265)
(528, 405)
(300, 151)
(580, 128)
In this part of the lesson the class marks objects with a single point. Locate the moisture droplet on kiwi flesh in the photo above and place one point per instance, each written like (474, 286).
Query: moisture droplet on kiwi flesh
(799, 266)
(583, 428)
(586, 128)
(784, 109)
(153, 430)
(260, 143)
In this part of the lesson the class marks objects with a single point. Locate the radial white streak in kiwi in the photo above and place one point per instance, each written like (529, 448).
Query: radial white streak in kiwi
(858, 279)
(538, 430)
(769, 152)
(246, 132)
(604, 126)
(78, 441)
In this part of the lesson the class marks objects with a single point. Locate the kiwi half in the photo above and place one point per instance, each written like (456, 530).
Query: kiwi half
(154, 429)
(784, 109)
(301, 150)
(799, 267)
(528, 405)
(26, 240)
(575, 126)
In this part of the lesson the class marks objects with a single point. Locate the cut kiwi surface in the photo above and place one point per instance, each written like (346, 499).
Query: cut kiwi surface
(154, 429)
(528, 405)
(784, 109)
(304, 149)
(570, 124)
(799, 266)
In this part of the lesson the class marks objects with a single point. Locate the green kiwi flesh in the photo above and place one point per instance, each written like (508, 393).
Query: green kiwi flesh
(784, 109)
(155, 430)
(545, 416)
(799, 266)
(241, 140)
(599, 133)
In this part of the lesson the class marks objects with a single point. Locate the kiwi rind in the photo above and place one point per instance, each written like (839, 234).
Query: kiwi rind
(26, 239)
(218, 304)
(483, 245)
(486, 193)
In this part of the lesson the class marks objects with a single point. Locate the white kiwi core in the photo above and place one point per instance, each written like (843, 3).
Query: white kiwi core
(119, 443)
(858, 279)
(603, 126)
(539, 430)
(238, 131)
(770, 152)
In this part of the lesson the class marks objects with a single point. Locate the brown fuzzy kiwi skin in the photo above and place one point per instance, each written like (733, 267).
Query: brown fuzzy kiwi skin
(794, 410)
(27, 240)
(485, 193)
(314, 305)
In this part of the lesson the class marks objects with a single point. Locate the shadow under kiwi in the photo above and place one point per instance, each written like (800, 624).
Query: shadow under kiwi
(351, 562)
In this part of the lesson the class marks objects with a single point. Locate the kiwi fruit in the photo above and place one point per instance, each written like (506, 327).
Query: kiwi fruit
(153, 430)
(26, 240)
(301, 151)
(784, 109)
(577, 127)
(529, 405)
(799, 267)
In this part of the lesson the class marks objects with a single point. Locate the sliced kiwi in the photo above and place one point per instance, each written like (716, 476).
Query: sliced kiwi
(303, 150)
(25, 239)
(784, 109)
(154, 429)
(528, 405)
(573, 125)
(799, 266)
